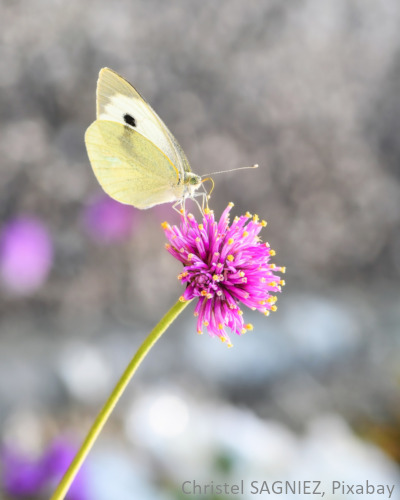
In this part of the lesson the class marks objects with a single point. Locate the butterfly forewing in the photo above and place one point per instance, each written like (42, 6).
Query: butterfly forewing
(117, 100)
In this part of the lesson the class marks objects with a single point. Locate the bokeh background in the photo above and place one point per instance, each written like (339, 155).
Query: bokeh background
(307, 89)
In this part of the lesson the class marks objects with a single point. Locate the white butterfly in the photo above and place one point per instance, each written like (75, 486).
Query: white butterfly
(134, 156)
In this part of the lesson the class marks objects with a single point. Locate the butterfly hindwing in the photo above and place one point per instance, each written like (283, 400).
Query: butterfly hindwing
(124, 163)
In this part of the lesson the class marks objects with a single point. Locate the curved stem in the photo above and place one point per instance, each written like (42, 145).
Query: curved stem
(117, 392)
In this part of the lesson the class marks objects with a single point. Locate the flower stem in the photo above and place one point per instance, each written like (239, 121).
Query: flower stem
(102, 417)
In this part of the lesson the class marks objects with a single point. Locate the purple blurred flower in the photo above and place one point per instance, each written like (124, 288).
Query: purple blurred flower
(23, 476)
(26, 255)
(223, 266)
(108, 221)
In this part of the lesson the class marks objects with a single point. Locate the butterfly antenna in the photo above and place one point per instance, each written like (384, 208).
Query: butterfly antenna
(225, 171)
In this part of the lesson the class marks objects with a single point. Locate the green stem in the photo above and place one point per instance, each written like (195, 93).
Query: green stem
(101, 419)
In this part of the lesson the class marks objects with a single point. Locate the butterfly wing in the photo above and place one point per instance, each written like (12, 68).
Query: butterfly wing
(130, 167)
(118, 101)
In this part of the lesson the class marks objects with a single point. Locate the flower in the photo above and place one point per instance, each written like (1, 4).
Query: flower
(223, 266)
(23, 476)
(26, 255)
(107, 221)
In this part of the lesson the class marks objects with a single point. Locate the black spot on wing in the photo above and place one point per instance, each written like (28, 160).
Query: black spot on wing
(129, 120)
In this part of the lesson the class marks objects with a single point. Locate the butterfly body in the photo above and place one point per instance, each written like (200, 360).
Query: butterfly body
(134, 156)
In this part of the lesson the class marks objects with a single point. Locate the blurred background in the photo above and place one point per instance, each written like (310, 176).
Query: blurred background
(310, 91)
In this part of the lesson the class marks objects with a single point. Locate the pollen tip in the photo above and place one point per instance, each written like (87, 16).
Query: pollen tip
(182, 299)
(230, 258)
(244, 234)
(230, 241)
(283, 269)
(200, 332)
(220, 326)
(167, 246)
(229, 345)
(282, 282)
(272, 252)
(264, 223)
(274, 308)
(248, 215)
(164, 225)
(266, 313)
(249, 326)
(231, 204)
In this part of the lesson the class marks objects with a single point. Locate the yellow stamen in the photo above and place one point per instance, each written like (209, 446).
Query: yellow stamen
(220, 326)
(249, 326)
(182, 299)
(282, 282)
(256, 218)
(241, 274)
(231, 204)
(266, 313)
(248, 215)
(230, 241)
(283, 269)
(199, 332)
(164, 225)
(167, 246)
(203, 293)
(190, 256)
(272, 283)
(209, 295)
(206, 323)
(274, 308)
(272, 252)
(264, 223)
(230, 258)
(201, 227)
(207, 211)
(229, 345)
(244, 234)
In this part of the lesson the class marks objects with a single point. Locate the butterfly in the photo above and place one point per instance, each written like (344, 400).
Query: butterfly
(134, 156)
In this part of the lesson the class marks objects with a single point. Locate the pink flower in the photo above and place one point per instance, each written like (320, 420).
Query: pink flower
(26, 255)
(223, 266)
(107, 221)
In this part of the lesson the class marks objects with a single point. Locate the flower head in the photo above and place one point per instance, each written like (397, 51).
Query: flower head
(23, 476)
(26, 255)
(224, 265)
(107, 221)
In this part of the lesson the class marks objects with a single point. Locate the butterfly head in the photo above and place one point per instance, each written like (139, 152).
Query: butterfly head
(192, 182)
